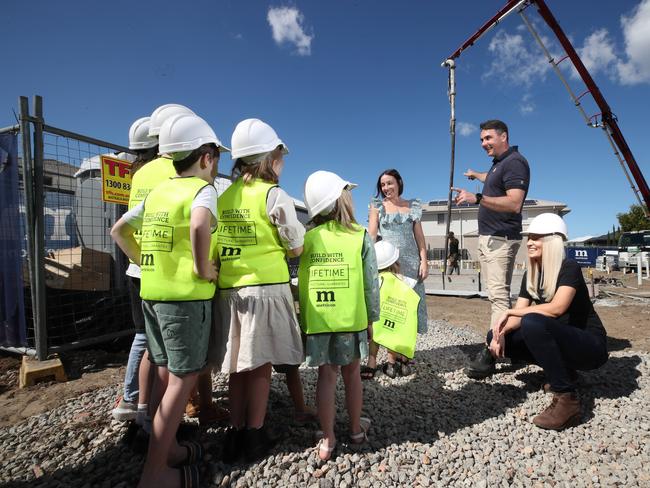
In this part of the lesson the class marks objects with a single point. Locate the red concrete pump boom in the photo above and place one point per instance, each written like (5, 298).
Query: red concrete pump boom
(608, 120)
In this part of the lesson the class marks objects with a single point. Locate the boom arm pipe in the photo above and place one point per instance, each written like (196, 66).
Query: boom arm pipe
(506, 10)
(451, 65)
(607, 117)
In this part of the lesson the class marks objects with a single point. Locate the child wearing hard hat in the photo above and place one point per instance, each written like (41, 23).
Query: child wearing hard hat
(178, 281)
(397, 326)
(339, 301)
(258, 228)
(132, 405)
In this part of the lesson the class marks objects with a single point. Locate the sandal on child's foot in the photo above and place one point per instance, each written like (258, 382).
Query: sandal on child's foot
(325, 453)
(405, 369)
(190, 476)
(194, 453)
(391, 370)
(368, 372)
(361, 437)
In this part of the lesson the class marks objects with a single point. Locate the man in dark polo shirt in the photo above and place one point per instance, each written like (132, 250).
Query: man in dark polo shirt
(505, 186)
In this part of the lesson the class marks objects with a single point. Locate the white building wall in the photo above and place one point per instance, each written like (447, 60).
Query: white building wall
(464, 224)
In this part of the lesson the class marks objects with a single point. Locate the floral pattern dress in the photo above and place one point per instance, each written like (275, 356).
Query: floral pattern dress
(397, 228)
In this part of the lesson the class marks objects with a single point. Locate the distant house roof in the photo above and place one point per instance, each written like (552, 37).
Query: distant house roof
(438, 205)
(601, 240)
(579, 239)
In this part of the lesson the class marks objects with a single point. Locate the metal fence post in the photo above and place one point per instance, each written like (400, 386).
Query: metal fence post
(39, 232)
(28, 185)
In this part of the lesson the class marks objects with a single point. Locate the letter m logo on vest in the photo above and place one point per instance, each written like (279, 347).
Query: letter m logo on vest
(389, 323)
(231, 251)
(325, 296)
(146, 260)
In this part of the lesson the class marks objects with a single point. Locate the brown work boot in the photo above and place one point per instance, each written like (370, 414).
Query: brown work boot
(192, 409)
(563, 412)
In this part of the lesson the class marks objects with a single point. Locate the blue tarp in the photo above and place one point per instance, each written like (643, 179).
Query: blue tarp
(12, 306)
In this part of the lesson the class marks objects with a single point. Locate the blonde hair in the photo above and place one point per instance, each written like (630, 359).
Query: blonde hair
(343, 212)
(257, 166)
(546, 271)
(393, 268)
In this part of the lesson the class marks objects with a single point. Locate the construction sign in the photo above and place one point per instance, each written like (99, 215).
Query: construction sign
(116, 180)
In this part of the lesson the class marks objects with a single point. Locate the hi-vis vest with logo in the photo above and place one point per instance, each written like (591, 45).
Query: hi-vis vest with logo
(397, 326)
(166, 259)
(248, 243)
(146, 179)
(330, 280)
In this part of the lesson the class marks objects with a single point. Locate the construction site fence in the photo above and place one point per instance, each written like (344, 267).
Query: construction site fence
(74, 289)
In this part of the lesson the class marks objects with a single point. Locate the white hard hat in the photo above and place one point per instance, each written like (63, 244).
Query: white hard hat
(139, 137)
(184, 133)
(164, 112)
(322, 190)
(547, 224)
(252, 136)
(386, 253)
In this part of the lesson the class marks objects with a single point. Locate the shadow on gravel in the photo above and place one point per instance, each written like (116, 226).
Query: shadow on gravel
(615, 344)
(616, 379)
(419, 409)
(116, 466)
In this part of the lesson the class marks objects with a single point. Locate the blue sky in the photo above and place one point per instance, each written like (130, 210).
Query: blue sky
(353, 87)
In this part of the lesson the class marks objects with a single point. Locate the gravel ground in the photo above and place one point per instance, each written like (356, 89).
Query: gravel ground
(434, 428)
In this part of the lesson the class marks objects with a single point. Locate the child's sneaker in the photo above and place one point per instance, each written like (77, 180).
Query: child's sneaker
(124, 410)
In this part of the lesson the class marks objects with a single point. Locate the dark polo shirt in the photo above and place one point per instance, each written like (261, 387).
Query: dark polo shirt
(509, 171)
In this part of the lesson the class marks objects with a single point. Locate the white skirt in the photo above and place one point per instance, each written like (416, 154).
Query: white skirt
(262, 327)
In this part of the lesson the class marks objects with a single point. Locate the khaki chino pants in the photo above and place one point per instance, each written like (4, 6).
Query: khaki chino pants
(497, 257)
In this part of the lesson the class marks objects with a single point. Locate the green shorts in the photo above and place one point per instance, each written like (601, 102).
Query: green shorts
(178, 334)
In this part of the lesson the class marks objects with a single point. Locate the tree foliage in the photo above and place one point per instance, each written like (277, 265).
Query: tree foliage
(635, 219)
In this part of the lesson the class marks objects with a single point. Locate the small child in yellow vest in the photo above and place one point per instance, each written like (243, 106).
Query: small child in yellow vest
(397, 326)
(339, 301)
(258, 228)
(178, 282)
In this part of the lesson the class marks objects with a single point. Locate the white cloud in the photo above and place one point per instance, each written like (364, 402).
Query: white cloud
(466, 129)
(527, 106)
(516, 61)
(287, 26)
(636, 31)
(598, 53)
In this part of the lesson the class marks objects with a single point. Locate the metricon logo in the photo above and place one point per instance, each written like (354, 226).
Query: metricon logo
(581, 253)
(389, 323)
(231, 251)
(146, 260)
(325, 296)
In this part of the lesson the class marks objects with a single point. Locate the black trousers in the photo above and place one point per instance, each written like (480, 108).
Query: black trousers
(557, 348)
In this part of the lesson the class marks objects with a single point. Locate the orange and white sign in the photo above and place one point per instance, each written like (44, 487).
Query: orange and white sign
(116, 180)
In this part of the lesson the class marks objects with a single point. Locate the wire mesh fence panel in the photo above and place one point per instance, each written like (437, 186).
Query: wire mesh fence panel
(86, 290)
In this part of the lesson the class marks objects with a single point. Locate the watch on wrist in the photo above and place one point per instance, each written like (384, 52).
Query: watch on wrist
(479, 197)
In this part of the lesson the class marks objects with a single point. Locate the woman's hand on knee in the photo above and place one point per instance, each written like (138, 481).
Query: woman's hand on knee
(498, 346)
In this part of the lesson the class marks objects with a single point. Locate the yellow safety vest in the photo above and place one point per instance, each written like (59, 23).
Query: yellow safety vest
(248, 243)
(166, 259)
(146, 179)
(397, 327)
(330, 280)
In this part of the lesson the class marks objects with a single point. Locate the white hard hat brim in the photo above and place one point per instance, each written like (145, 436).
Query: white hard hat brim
(318, 209)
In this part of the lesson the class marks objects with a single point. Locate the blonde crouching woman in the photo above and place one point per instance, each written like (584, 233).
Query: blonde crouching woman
(553, 324)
